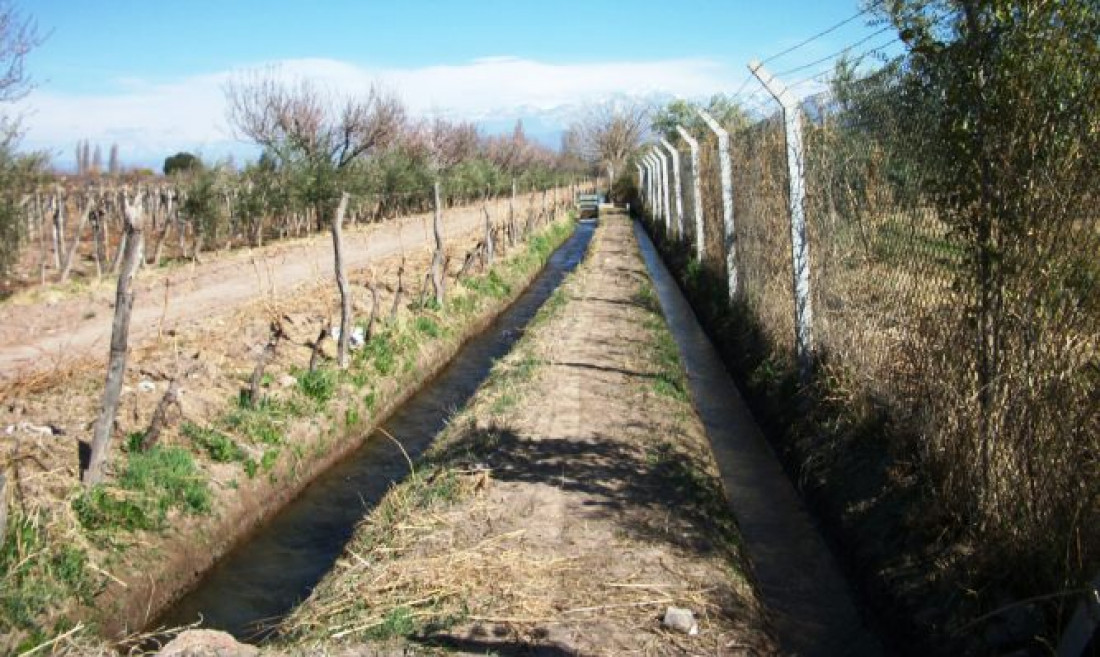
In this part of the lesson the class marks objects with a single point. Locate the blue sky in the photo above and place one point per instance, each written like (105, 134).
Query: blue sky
(148, 74)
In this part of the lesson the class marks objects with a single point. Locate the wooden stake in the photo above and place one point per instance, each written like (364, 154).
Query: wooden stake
(120, 331)
(438, 279)
(400, 289)
(341, 282)
(3, 507)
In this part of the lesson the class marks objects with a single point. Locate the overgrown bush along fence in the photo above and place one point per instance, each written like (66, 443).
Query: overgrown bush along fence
(959, 333)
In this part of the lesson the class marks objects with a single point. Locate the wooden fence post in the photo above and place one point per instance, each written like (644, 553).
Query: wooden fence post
(3, 507)
(341, 281)
(438, 278)
(133, 214)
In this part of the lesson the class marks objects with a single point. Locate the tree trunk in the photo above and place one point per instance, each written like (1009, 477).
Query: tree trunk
(256, 381)
(341, 282)
(120, 330)
(160, 416)
(315, 353)
(438, 279)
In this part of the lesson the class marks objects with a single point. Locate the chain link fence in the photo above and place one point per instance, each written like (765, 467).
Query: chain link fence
(976, 331)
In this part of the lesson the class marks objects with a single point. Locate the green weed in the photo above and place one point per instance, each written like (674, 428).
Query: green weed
(152, 483)
(218, 446)
(318, 385)
(37, 575)
(398, 623)
(262, 423)
(427, 326)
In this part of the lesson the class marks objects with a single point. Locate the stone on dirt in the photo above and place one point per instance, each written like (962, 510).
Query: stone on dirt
(206, 643)
(287, 381)
(681, 620)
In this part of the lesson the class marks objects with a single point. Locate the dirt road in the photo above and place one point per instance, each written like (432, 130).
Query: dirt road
(48, 334)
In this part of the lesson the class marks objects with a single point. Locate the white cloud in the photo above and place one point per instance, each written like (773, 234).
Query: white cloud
(150, 120)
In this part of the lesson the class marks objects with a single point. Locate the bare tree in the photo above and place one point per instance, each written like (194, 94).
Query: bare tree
(318, 137)
(451, 143)
(18, 36)
(608, 135)
(299, 123)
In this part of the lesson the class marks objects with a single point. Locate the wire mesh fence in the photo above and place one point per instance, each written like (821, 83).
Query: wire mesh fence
(974, 326)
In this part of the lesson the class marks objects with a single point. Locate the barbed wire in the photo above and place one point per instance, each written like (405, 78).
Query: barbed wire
(842, 51)
(826, 31)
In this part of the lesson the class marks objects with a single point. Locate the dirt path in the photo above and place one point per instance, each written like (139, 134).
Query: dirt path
(49, 334)
(564, 511)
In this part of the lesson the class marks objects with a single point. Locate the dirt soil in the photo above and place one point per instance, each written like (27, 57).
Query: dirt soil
(564, 512)
(49, 329)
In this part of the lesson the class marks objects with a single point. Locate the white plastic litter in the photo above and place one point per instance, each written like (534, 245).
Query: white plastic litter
(357, 338)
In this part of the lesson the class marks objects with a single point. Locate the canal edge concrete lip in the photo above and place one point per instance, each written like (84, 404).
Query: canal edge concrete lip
(796, 574)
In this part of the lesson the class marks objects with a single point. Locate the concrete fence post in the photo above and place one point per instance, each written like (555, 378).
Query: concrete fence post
(800, 243)
(677, 187)
(696, 193)
(648, 167)
(725, 166)
(656, 185)
(664, 200)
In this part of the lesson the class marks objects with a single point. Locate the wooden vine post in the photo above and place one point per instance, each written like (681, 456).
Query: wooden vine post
(489, 246)
(3, 507)
(341, 281)
(438, 282)
(133, 214)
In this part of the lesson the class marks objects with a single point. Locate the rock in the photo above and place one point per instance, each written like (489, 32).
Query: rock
(206, 643)
(287, 381)
(681, 620)
(147, 386)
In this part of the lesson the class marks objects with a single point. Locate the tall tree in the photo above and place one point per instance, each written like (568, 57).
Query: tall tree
(609, 134)
(113, 165)
(319, 138)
